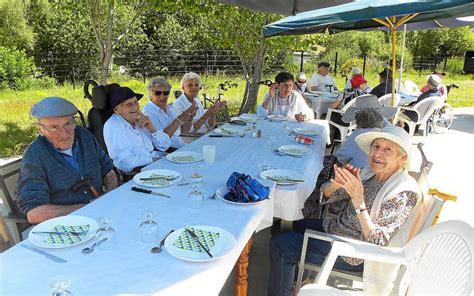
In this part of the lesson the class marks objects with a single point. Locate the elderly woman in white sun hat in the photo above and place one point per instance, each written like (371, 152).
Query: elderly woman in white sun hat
(375, 202)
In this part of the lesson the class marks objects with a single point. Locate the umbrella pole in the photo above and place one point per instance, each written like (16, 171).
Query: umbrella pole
(394, 55)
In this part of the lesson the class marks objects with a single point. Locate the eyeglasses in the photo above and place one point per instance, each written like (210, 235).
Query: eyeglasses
(56, 129)
(159, 93)
(297, 81)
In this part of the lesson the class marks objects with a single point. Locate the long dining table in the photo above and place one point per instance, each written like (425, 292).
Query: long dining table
(130, 267)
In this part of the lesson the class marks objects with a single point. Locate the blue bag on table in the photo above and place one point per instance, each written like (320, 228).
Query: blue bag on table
(245, 189)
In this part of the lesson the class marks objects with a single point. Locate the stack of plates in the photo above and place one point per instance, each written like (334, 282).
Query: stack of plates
(184, 157)
(229, 131)
(276, 117)
(282, 177)
(157, 178)
(307, 131)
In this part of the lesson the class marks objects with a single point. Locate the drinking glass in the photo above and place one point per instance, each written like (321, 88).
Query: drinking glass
(105, 231)
(209, 153)
(58, 285)
(196, 181)
(148, 228)
(272, 142)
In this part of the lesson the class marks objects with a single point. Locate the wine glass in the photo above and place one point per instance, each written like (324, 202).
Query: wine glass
(272, 142)
(264, 165)
(105, 234)
(196, 181)
(148, 228)
(58, 285)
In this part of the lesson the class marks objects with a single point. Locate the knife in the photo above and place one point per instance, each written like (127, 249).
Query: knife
(147, 191)
(45, 254)
(196, 239)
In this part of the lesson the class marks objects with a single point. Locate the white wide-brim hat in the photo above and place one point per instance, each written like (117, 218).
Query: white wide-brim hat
(390, 132)
(365, 102)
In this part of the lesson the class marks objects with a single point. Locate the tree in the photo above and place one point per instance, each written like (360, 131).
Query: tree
(14, 30)
(441, 42)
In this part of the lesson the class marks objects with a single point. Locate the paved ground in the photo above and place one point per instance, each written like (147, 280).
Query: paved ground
(453, 172)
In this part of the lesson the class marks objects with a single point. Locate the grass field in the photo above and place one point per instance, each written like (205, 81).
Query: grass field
(17, 129)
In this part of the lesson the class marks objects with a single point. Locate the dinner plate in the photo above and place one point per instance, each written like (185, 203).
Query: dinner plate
(316, 92)
(172, 177)
(184, 157)
(276, 117)
(229, 131)
(307, 131)
(296, 150)
(179, 243)
(223, 190)
(248, 117)
(63, 224)
(282, 177)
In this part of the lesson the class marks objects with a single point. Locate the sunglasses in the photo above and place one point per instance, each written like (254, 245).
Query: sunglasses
(298, 81)
(159, 93)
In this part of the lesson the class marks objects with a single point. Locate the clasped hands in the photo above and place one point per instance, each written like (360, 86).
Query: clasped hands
(218, 106)
(348, 178)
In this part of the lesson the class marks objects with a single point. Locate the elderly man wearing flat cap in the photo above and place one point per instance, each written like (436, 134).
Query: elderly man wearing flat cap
(131, 138)
(321, 80)
(64, 168)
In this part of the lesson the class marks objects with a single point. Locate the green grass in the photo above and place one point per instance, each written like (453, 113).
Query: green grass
(17, 129)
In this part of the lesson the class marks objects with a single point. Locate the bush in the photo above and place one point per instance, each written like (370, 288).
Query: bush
(16, 66)
(36, 83)
(455, 65)
(346, 68)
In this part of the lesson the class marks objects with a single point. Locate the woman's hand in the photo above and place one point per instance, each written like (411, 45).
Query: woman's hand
(349, 179)
(144, 121)
(218, 106)
(188, 114)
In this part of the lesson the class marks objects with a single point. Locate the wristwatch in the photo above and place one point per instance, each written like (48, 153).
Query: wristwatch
(360, 210)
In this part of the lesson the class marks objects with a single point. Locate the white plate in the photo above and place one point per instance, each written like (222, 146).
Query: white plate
(48, 225)
(287, 173)
(296, 150)
(229, 131)
(277, 117)
(223, 190)
(147, 174)
(248, 117)
(307, 131)
(184, 154)
(316, 92)
(224, 244)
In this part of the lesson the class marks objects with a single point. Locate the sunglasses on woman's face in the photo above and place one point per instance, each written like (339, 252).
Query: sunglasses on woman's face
(300, 82)
(159, 93)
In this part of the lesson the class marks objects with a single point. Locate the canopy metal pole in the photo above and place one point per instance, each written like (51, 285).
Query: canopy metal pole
(394, 56)
(402, 68)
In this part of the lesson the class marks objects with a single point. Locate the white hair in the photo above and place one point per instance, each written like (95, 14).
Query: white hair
(190, 76)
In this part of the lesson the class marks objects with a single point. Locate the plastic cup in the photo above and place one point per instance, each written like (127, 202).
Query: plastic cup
(209, 153)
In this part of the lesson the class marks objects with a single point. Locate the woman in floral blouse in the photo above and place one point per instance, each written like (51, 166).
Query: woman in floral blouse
(374, 203)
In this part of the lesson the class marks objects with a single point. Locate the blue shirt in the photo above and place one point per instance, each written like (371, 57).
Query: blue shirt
(47, 178)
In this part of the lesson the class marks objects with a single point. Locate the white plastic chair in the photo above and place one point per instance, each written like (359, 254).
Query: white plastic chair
(439, 261)
(399, 87)
(386, 100)
(411, 88)
(424, 109)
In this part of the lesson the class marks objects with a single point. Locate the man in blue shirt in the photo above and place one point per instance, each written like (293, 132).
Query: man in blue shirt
(61, 157)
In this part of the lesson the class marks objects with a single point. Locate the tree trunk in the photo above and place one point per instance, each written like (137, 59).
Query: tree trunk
(251, 100)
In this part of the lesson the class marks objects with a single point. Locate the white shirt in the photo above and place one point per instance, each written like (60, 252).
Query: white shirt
(296, 104)
(182, 103)
(321, 81)
(132, 147)
(162, 120)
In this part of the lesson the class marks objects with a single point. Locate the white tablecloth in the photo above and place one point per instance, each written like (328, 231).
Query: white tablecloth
(320, 103)
(130, 268)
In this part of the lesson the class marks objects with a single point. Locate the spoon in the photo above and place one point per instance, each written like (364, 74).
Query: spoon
(159, 248)
(88, 250)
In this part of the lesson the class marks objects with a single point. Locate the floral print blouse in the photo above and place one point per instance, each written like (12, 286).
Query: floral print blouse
(393, 214)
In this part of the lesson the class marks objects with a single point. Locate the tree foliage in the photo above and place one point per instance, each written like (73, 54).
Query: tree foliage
(14, 30)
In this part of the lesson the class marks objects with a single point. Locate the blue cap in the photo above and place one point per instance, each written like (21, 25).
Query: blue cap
(53, 107)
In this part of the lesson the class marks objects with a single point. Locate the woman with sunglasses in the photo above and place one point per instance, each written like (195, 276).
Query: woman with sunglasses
(163, 116)
(191, 84)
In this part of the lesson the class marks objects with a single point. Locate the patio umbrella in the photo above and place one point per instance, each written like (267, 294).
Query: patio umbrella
(369, 15)
(284, 7)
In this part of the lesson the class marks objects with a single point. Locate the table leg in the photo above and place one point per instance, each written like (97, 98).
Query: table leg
(241, 274)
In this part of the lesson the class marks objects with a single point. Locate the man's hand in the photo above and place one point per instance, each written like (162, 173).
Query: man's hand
(272, 89)
(144, 121)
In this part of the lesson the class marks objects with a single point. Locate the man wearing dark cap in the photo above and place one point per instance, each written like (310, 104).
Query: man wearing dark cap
(131, 138)
(385, 86)
(321, 81)
(62, 157)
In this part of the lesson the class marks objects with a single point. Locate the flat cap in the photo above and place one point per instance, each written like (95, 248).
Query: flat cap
(324, 64)
(53, 107)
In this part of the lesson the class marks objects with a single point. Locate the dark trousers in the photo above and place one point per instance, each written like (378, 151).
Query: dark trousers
(286, 253)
